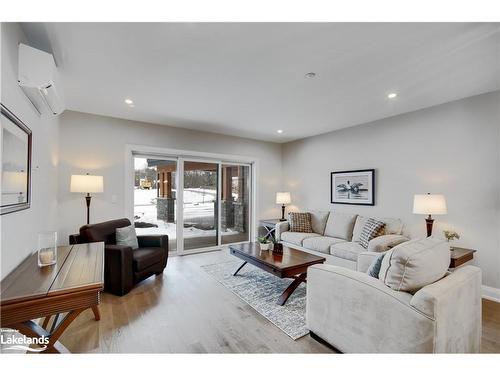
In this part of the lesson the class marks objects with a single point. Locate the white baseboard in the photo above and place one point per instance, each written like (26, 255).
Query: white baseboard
(493, 294)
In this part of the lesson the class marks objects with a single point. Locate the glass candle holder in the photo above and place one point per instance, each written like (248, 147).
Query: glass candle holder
(47, 248)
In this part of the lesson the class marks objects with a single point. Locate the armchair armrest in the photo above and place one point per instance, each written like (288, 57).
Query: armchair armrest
(118, 269)
(153, 240)
(386, 242)
(281, 227)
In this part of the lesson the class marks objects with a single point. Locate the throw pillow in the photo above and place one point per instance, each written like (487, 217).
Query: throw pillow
(370, 230)
(300, 222)
(126, 236)
(415, 264)
(374, 268)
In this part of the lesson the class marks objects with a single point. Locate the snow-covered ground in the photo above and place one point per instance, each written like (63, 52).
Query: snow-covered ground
(198, 208)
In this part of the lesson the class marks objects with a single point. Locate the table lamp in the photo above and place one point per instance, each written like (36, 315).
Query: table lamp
(283, 197)
(86, 184)
(429, 204)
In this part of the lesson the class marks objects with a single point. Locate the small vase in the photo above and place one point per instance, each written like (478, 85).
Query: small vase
(278, 248)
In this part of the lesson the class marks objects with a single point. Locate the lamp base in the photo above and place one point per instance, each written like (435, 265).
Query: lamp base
(429, 221)
(87, 200)
(283, 213)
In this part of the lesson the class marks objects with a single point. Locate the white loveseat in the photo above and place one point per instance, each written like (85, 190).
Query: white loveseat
(336, 237)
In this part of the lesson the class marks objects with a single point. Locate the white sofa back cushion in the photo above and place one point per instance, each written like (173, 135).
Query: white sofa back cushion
(415, 264)
(318, 221)
(340, 225)
(392, 226)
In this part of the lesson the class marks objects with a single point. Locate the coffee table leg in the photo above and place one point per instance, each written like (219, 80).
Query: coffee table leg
(291, 288)
(239, 268)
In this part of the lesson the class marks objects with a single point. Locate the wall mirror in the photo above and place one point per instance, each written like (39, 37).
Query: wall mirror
(16, 163)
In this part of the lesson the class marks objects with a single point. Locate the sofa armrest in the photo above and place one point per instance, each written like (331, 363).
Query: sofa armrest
(454, 302)
(386, 242)
(118, 269)
(281, 227)
(365, 259)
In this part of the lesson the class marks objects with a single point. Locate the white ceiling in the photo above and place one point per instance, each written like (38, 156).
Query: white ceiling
(247, 79)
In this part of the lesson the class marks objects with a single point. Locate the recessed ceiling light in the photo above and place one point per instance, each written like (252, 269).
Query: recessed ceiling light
(279, 131)
(392, 95)
(129, 101)
(310, 75)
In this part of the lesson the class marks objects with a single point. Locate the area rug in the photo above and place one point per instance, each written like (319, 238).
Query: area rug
(261, 291)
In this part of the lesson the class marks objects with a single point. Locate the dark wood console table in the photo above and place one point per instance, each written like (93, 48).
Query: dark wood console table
(60, 292)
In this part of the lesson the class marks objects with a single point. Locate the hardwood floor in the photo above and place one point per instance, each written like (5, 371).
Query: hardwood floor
(187, 311)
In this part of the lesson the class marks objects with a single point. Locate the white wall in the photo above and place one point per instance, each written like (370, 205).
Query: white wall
(96, 144)
(451, 149)
(19, 230)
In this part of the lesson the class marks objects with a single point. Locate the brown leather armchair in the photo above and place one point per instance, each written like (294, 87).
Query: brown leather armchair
(124, 267)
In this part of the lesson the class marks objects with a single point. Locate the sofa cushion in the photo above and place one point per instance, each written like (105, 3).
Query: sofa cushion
(392, 226)
(321, 244)
(415, 264)
(318, 221)
(300, 222)
(145, 257)
(340, 225)
(296, 237)
(347, 250)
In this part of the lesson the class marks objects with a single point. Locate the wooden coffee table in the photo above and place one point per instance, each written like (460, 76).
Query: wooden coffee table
(291, 264)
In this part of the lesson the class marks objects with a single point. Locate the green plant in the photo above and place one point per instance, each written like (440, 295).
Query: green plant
(263, 240)
(450, 235)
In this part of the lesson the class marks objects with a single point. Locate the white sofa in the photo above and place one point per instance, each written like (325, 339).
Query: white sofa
(336, 237)
(357, 313)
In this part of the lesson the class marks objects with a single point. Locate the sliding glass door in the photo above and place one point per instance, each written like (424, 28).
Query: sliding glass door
(199, 204)
(235, 203)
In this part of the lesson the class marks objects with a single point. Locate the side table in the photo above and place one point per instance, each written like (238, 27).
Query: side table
(270, 226)
(460, 255)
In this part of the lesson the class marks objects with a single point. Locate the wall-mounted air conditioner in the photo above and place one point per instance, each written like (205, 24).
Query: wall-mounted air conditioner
(38, 77)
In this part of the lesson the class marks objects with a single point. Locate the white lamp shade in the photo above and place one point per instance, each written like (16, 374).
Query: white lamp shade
(429, 204)
(283, 197)
(14, 182)
(84, 183)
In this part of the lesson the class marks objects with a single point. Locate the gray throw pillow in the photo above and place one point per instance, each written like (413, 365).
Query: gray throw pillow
(126, 237)
(374, 268)
(370, 230)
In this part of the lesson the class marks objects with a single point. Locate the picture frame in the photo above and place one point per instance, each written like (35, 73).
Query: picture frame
(16, 149)
(355, 187)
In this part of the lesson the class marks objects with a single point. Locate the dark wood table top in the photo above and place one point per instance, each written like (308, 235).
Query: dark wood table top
(79, 267)
(290, 259)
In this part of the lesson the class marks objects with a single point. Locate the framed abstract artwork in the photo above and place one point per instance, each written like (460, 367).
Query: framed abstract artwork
(16, 163)
(353, 187)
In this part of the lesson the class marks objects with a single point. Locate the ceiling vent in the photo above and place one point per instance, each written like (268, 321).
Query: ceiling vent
(38, 78)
